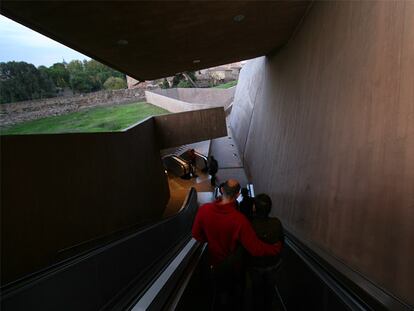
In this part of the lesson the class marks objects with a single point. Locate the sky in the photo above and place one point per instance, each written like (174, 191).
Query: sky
(19, 43)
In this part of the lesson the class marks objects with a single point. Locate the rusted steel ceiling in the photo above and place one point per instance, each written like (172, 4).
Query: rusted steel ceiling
(154, 39)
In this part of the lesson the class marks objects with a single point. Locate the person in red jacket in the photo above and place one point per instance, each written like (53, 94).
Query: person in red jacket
(225, 229)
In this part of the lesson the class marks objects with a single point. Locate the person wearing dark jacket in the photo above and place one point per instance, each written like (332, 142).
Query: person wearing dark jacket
(263, 269)
(246, 205)
(212, 170)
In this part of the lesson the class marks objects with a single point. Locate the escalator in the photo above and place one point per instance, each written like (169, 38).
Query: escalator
(110, 277)
(161, 267)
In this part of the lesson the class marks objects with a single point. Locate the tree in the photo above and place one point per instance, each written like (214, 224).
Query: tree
(59, 74)
(115, 83)
(89, 76)
(78, 78)
(164, 84)
(22, 81)
(99, 73)
(181, 78)
(185, 84)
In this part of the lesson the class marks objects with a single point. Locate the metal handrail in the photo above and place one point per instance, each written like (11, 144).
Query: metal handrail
(357, 292)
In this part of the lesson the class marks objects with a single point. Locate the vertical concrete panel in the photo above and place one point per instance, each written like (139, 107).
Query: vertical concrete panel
(251, 77)
(331, 136)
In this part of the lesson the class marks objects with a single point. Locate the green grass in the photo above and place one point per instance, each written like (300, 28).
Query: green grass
(226, 85)
(103, 119)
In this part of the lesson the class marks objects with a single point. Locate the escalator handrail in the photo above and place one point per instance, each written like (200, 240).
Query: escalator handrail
(180, 161)
(173, 279)
(14, 293)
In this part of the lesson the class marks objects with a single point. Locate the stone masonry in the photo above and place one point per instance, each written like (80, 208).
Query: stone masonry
(35, 109)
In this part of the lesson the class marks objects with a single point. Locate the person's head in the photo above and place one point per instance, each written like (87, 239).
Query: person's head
(244, 192)
(230, 189)
(211, 158)
(263, 205)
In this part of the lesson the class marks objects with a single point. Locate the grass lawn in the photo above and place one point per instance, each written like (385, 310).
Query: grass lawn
(226, 85)
(102, 119)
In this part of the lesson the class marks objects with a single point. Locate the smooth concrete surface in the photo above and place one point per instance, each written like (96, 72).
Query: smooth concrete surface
(198, 95)
(187, 99)
(327, 129)
(172, 104)
(188, 127)
(227, 155)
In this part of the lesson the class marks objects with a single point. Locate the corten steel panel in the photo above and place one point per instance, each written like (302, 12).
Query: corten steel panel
(188, 127)
(153, 39)
(332, 136)
(61, 190)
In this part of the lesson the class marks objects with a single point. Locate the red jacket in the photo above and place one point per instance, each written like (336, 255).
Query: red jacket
(222, 226)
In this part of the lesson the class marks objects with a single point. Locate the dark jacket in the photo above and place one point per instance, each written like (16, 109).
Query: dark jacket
(268, 230)
(246, 207)
(212, 167)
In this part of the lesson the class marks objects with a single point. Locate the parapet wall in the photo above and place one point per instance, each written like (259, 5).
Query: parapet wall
(187, 99)
(326, 127)
(35, 109)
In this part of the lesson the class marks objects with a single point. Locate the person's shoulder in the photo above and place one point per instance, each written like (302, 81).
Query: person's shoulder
(275, 220)
(207, 206)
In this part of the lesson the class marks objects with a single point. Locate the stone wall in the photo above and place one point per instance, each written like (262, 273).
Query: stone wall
(35, 109)
(326, 127)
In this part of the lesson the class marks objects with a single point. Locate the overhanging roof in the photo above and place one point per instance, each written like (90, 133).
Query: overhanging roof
(154, 39)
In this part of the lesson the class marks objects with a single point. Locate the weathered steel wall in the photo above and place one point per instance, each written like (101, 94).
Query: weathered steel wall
(62, 194)
(60, 191)
(178, 129)
(326, 126)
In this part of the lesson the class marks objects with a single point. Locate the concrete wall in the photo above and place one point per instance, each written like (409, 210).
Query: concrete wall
(35, 109)
(187, 99)
(326, 127)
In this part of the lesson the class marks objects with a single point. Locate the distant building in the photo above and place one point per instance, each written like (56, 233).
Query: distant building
(205, 77)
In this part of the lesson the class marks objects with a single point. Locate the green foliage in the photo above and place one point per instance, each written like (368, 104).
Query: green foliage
(185, 84)
(191, 74)
(226, 85)
(101, 119)
(165, 84)
(59, 74)
(114, 83)
(79, 80)
(22, 81)
(179, 77)
(176, 79)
